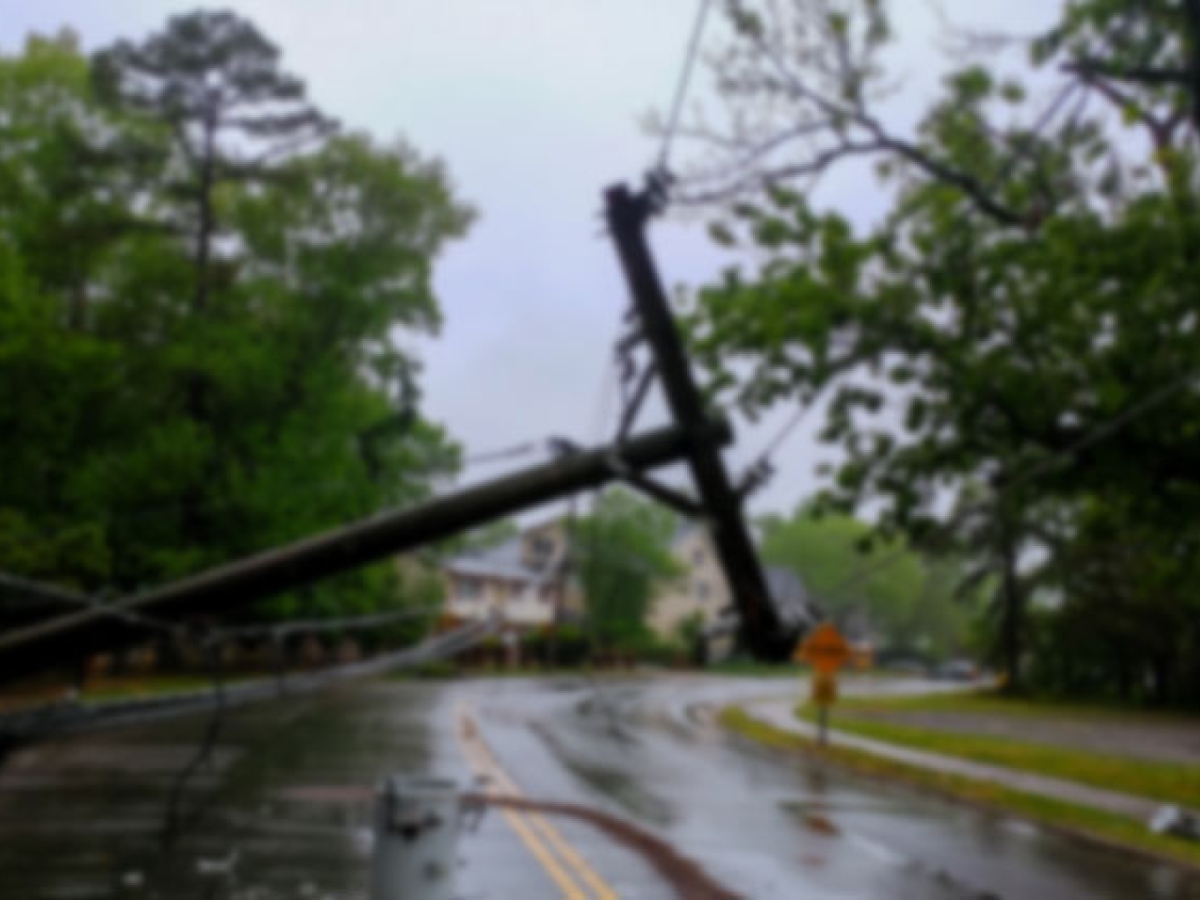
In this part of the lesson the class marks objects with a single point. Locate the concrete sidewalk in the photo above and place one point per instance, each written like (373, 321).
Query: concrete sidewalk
(780, 713)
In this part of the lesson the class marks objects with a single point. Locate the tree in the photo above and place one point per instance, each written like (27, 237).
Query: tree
(63, 208)
(910, 606)
(1019, 326)
(238, 376)
(689, 635)
(214, 82)
(623, 551)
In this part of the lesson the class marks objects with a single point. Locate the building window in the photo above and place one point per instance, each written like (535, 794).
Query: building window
(547, 593)
(540, 550)
(468, 588)
(700, 590)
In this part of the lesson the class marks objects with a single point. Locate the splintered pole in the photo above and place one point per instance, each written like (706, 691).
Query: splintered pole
(217, 591)
(768, 637)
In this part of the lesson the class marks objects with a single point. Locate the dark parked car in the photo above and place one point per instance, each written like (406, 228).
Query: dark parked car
(958, 670)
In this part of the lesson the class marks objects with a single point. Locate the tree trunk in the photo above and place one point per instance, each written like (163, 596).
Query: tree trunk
(205, 222)
(1124, 677)
(1160, 680)
(1191, 11)
(1013, 614)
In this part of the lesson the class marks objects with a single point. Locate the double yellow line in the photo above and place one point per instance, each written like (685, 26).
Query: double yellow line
(565, 866)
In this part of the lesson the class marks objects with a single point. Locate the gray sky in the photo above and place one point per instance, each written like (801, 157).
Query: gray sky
(535, 106)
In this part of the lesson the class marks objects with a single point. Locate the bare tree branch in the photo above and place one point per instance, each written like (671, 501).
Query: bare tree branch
(1088, 67)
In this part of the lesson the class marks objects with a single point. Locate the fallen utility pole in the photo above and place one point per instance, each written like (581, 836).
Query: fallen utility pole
(764, 627)
(69, 638)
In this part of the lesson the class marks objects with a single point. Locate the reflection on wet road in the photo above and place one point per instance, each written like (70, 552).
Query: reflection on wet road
(280, 810)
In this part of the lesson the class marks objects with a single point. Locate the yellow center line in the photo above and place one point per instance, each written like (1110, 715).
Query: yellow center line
(482, 765)
(570, 890)
(582, 869)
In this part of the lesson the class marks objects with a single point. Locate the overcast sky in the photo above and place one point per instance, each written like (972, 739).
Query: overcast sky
(535, 105)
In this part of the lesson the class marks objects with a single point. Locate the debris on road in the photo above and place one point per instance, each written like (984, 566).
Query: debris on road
(1176, 822)
(685, 876)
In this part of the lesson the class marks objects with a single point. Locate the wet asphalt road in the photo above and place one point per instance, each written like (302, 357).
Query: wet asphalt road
(281, 811)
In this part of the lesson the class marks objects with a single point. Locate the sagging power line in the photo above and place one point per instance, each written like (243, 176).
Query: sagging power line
(1053, 463)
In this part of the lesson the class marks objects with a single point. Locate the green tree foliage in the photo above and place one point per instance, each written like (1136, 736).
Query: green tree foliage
(623, 550)
(1018, 329)
(205, 296)
(909, 607)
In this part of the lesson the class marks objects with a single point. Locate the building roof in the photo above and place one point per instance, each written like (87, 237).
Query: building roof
(504, 560)
(786, 593)
(507, 560)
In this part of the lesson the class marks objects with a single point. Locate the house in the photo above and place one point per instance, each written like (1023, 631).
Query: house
(527, 582)
(523, 581)
(703, 592)
(700, 591)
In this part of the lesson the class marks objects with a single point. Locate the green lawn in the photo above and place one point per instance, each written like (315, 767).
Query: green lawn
(133, 688)
(1096, 825)
(992, 701)
(787, 670)
(1166, 781)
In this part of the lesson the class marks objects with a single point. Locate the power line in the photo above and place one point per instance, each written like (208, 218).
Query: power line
(53, 719)
(784, 433)
(345, 623)
(604, 400)
(681, 87)
(41, 594)
(1102, 433)
(505, 453)
(1105, 431)
(761, 469)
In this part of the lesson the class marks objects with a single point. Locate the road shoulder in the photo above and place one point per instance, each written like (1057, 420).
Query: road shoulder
(1112, 819)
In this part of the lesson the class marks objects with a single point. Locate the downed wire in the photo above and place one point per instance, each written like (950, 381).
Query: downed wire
(173, 822)
(56, 719)
(1056, 461)
(346, 623)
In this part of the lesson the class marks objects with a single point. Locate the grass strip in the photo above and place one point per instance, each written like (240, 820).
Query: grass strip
(134, 688)
(988, 701)
(1169, 782)
(1113, 831)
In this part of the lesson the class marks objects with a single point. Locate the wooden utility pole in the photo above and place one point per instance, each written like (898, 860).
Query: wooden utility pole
(214, 592)
(763, 627)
